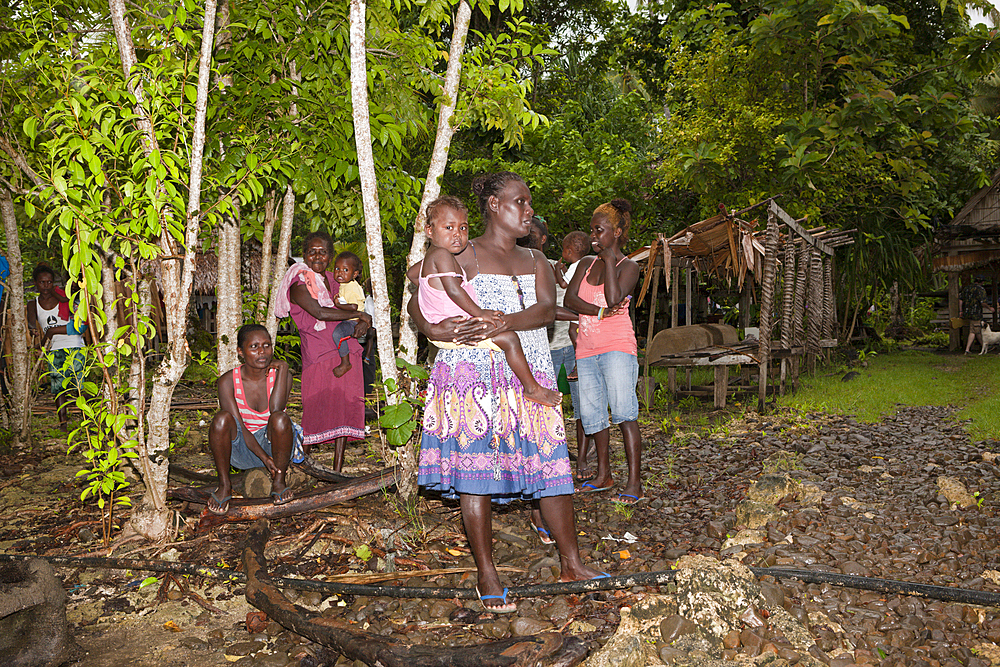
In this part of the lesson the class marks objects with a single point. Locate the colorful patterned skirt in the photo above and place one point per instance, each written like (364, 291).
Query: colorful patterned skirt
(479, 434)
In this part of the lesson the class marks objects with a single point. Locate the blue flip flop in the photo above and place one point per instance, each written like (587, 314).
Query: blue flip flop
(602, 575)
(629, 499)
(505, 608)
(286, 495)
(587, 487)
(223, 504)
(543, 535)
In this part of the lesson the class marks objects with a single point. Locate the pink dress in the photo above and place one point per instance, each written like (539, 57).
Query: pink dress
(332, 407)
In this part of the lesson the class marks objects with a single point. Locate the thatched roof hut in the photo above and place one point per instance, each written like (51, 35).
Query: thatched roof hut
(206, 274)
(970, 245)
(972, 239)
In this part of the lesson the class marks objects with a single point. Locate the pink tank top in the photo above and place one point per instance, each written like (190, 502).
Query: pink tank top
(435, 304)
(612, 334)
(254, 420)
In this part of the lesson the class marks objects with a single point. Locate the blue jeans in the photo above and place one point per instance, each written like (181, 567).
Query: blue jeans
(243, 458)
(566, 356)
(607, 381)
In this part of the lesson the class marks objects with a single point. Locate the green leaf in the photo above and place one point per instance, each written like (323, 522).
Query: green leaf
(29, 126)
(393, 416)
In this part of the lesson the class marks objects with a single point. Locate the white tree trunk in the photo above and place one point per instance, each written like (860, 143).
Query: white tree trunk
(439, 160)
(266, 269)
(151, 518)
(287, 217)
(284, 250)
(229, 295)
(20, 410)
(407, 484)
(228, 291)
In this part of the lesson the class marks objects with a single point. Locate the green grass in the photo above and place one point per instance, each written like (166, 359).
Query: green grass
(910, 378)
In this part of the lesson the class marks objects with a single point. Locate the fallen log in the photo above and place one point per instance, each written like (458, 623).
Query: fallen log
(373, 649)
(251, 509)
(312, 467)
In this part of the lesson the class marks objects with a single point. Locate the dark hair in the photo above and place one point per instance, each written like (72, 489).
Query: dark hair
(538, 222)
(446, 201)
(348, 255)
(619, 212)
(578, 240)
(40, 269)
(491, 185)
(246, 330)
(312, 236)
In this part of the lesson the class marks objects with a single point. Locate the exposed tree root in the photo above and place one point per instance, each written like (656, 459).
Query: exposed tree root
(375, 649)
(251, 509)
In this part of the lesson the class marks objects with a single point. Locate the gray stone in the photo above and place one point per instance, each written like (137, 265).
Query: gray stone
(33, 628)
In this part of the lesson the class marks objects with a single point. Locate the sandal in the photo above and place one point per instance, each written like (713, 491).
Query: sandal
(284, 496)
(629, 499)
(587, 487)
(222, 504)
(543, 535)
(505, 608)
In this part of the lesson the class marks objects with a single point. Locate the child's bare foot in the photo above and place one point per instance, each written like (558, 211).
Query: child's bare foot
(539, 394)
(345, 365)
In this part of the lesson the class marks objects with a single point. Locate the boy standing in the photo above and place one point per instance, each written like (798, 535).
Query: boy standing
(50, 317)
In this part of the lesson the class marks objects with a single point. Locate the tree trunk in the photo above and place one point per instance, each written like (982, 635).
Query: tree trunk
(284, 251)
(229, 298)
(439, 160)
(373, 649)
(287, 218)
(266, 270)
(373, 232)
(228, 292)
(151, 519)
(20, 410)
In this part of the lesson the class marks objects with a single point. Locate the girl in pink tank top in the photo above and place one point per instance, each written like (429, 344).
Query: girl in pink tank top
(443, 291)
(606, 351)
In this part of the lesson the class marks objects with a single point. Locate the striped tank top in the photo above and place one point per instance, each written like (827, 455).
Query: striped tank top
(254, 420)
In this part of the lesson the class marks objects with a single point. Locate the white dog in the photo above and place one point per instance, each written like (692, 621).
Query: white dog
(989, 337)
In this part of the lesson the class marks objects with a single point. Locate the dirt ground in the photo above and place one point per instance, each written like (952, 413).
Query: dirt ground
(876, 511)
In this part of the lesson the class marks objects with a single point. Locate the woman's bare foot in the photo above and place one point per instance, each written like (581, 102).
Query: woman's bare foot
(345, 365)
(541, 395)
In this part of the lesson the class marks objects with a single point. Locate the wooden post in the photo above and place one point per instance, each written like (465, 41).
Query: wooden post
(767, 305)
(675, 288)
(954, 335)
(787, 293)
(993, 303)
(650, 328)
(721, 385)
(688, 316)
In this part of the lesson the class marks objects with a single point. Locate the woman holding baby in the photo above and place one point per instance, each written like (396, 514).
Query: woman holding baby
(483, 440)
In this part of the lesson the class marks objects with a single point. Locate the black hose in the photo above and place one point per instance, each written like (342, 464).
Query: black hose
(623, 581)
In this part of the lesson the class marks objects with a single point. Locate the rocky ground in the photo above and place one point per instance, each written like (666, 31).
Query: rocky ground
(908, 498)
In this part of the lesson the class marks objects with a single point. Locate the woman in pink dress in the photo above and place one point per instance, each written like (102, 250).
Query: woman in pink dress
(333, 408)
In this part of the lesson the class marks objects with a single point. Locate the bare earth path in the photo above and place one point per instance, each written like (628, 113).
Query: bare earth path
(862, 499)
